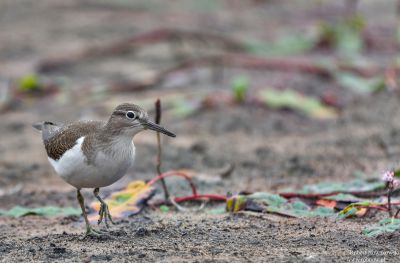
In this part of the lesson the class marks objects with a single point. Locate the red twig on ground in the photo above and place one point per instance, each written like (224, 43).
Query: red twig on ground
(282, 64)
(195, 196)
(316, 196)
(175, 173)
(213, 197)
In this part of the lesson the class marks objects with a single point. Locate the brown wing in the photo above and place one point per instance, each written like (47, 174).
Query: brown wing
(66, 137)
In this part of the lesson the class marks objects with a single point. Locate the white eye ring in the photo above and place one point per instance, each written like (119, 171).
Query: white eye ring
(131, 115)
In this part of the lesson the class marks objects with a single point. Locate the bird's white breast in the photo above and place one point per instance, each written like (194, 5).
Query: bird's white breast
(108, 166)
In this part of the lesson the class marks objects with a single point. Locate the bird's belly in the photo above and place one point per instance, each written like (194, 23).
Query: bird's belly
(75, 170)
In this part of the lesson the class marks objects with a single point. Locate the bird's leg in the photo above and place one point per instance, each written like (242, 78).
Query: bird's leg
(89, 230)
(104, 212)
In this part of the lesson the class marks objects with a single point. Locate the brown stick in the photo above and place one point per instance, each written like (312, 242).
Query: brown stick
(281, 64)
(137, 41)
(159, 149)
(247, 62)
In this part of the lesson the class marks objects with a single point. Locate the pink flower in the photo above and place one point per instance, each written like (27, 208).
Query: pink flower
(388, 177)
(396, 183)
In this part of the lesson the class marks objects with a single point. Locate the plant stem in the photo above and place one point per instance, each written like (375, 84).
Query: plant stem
(389, 198)
(159, 149)
(175, 173)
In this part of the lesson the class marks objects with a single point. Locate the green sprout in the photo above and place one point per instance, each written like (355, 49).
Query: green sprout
(29, 83)
(240, 86)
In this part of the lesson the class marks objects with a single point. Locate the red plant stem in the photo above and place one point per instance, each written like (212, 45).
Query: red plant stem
(195, 196)
(200, 197)
(310, 196)
(175, 173)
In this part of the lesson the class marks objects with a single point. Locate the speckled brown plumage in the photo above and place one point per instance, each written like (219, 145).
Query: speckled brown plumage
(66, 137)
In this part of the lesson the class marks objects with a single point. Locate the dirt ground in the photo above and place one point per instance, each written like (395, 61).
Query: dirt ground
(269, 149)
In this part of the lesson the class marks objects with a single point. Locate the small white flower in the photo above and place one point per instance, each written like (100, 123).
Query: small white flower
(388, 176)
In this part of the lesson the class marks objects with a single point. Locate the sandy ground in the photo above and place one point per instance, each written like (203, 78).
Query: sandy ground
(269, 149)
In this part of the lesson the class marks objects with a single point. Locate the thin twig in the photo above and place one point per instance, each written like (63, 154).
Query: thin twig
(159, 149)
(397, 213)
(197, 197)
(163, 35)
(175, 173)
(389, 198)
(184, 209)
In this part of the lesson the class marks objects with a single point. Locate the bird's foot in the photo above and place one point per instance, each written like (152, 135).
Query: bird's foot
(104, 213)
(91, 232)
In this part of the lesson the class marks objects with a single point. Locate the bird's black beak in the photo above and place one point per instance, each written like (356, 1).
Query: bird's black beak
(155, 127)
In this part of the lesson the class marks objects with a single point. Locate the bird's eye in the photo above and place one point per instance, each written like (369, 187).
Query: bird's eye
(131, 115)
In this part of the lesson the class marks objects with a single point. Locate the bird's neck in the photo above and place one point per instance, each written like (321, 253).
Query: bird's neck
(113, 140)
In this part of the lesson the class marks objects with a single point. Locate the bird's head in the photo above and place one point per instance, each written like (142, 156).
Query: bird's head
(130, 119)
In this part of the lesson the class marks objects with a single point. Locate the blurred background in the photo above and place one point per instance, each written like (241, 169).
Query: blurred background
(275, 92)
(262, 94)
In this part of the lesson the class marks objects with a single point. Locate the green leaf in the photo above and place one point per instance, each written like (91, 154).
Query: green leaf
(19, 211)
(183, 108)
(122, 198)
(268, 198)
(300, 209)
(387, 225)
(293, 100)
(216, 211)
(352, 209)
(360, 85)
(277, 204)
(345, 36)
(349, 42)
(343, 197)
(240, 87)
(357, 185)
(347, 212)
(164, 208)
(286, 45)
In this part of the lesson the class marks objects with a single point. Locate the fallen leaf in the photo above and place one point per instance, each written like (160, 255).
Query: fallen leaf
(272, 203)
(359, 84)
(387, 225)
(285, 45)
(326, 203)
(19, 211)
(343, 197)
(289, 99)
(357, 185)
(128, 201)
(183, 107)
(236, 203)
(356, 209)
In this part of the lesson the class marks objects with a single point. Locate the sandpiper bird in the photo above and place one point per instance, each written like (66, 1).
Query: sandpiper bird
(94, 154)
